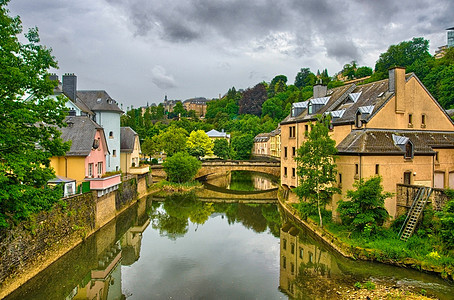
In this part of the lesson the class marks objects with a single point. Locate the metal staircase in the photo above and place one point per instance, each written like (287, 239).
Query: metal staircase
(417, 207)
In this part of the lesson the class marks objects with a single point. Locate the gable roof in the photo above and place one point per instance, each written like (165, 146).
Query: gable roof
(81, 131)
(213, 133)
(374, 141)
(98, 101)
(127, 139)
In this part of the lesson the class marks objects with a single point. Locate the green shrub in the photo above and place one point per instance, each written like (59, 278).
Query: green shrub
(181, 167)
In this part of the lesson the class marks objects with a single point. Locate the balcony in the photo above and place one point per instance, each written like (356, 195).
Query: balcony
(139, 170)
(104, 185)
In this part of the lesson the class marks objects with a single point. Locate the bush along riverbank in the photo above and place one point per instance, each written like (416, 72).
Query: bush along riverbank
(430, 248)
(164, 187)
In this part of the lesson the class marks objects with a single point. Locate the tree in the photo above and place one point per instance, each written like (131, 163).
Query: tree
(181, 167)
(407, 54)
(363, 72)
(242, 146)
(349, 70)
(199, 141)
(172, 140)
(304, 78)
(150, 146)
(28, 126)
(221, 148)
(365, 211)
(316, 166)
(252, 100)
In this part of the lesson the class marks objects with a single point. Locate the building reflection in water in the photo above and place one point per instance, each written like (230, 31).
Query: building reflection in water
(306, 270)
(243, 181)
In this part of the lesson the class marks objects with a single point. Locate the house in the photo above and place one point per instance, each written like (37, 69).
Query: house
(102, 109)
(130, 152)
(268, 144)
(86, 159)
(199, 105)
(262, 145)
(214, 135)
(393, 128)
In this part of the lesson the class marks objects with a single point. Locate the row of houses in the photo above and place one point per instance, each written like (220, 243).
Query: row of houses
(99, 146)
(393, 128)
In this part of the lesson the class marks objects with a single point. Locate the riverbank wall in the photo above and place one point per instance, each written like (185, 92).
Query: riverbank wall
(286, 198)
(33, 245)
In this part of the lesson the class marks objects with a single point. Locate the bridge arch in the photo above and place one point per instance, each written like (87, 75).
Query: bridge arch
(218, 167)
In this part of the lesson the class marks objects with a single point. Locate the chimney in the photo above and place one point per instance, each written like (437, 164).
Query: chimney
(320, 90)
(70, 85)
(397, 86)
(53, 77)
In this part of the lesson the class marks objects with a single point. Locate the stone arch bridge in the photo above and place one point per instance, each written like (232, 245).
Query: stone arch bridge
(223, 166)
(216, 167)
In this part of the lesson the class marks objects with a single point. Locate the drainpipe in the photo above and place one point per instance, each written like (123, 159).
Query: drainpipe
(66, 166)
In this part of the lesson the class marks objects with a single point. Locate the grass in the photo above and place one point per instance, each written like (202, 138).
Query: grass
(165, 186)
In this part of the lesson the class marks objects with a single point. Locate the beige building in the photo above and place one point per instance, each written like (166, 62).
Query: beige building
(268, 144)
(199, 105)
(393, 128)
(129, 149)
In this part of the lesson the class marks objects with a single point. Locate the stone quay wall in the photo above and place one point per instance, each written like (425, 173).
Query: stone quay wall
(34, 244)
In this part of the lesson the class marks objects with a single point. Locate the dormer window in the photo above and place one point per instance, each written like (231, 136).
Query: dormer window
(358, 122)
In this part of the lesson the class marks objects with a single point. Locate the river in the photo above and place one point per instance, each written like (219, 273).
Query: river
(181, 247)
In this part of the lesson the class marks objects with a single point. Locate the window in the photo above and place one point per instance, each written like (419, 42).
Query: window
(340, 178)
(377, 169)
(436, 157)
(293, 151)
(301, 253)
(114, 153)
(423, 120)
(285, 171)
(408, 150)
(111, 135)
(358, 119)
(96, 144)
(306, 128)
(99, 168)
(407, 178)
(284, 244)
(90, 170)
(285, 152)
(311, 257)
(292, 248)
(292, 268)
(293, 172)
(356, 169)
(284, 262)
(292, 132)
(410, 119)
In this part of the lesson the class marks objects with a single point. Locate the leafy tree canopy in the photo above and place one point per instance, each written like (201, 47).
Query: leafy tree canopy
(221, 148)
(181, 167)
(305, 78)
(199, 140)
(26, 140)
(316, 166)
(365, 212)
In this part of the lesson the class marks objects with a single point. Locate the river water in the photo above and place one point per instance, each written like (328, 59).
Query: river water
(179, 247)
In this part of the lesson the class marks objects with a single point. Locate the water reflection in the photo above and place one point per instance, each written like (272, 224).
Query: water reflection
(311, 270)
(243, 181)
(95, 269)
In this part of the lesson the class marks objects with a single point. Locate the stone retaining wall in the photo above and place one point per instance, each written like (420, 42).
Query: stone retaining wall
(33, 245)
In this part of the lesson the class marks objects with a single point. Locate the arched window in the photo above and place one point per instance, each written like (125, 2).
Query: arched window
(111, 135)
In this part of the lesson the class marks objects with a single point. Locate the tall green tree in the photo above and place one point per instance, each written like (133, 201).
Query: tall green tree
(316, 161)
(242, 146)
(173, 140)
(365, 212)
(221, 148)
(26, 140)
(305, 78)
(408, 54)
(199, 143)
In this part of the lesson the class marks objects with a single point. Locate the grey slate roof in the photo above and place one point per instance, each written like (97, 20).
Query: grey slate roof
(213, 133)
(369, 141)
(81, 132)
(98, 101)
(127, 139)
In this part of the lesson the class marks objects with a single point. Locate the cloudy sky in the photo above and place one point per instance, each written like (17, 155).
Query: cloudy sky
(140, 50)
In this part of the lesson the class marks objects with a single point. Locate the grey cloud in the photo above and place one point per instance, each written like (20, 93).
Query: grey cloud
(162, 80)
(342, 49)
